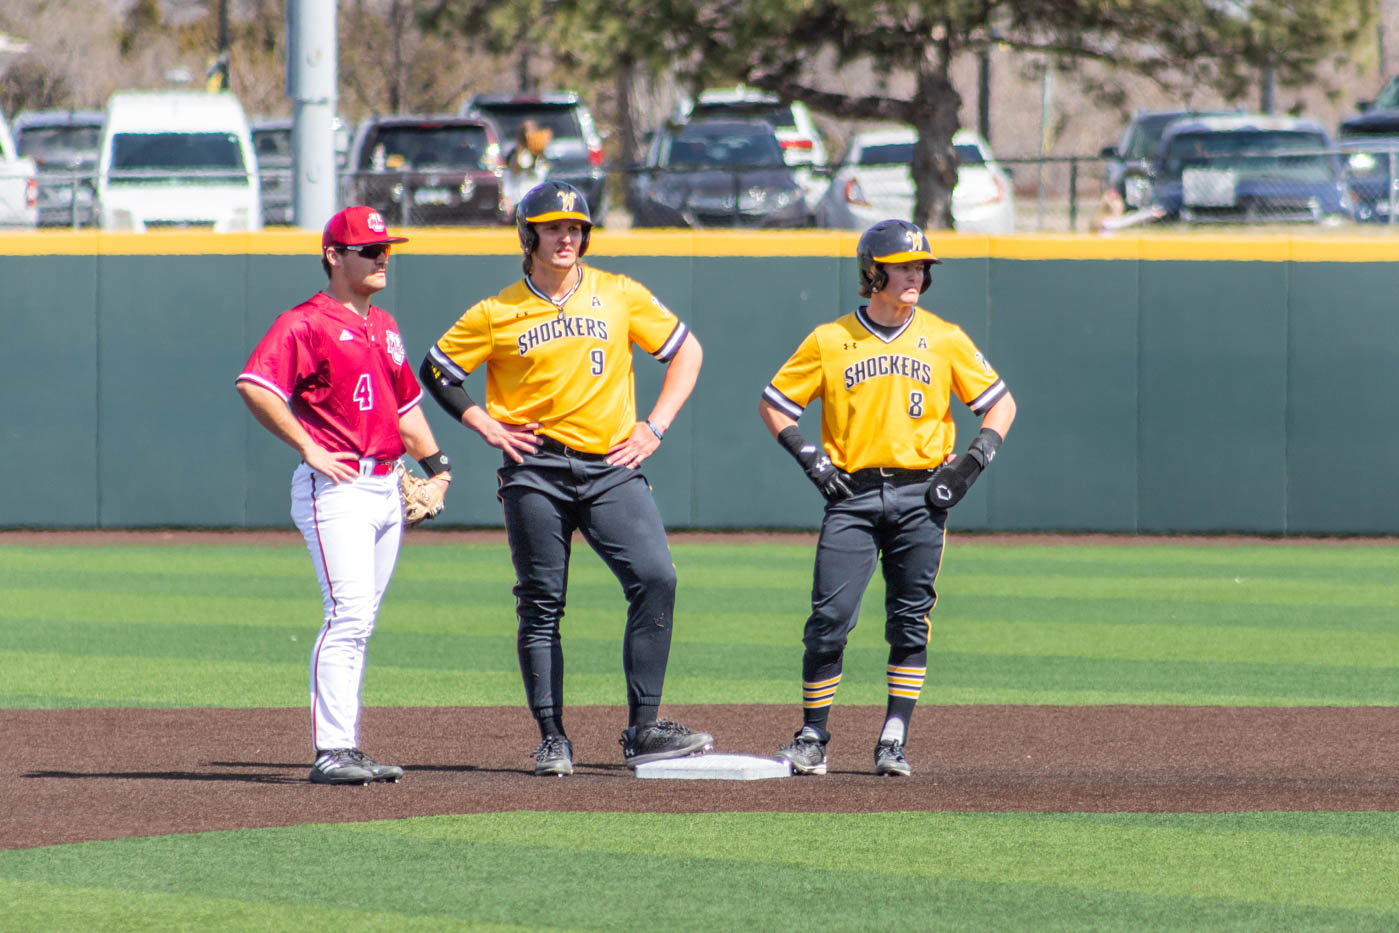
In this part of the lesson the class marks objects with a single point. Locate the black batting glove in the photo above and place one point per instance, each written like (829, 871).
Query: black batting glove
(818, 467)
(951, 481)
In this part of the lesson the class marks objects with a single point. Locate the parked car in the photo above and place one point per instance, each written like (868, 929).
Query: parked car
(874, 182)
(1250, 168)
(430, 170)
(802, 145)
(717, 173)
(177, 159)
(1129, 162)
(64, 145)
(272, 142)
(1378, 117)
(19, 183)
(1372, 164)
(574, 151)
(1370, 140)
(272, 138)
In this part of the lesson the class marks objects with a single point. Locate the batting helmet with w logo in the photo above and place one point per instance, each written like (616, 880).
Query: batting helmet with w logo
(892, 241)
(552, 200)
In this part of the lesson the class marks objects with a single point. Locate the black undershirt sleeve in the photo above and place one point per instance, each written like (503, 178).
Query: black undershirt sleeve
(449, 393)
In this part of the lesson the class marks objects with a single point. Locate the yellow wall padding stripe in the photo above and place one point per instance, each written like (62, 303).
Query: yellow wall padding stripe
(1377, 245)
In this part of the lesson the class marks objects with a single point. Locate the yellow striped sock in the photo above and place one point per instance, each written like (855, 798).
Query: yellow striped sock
(905, 681)
(816, 694)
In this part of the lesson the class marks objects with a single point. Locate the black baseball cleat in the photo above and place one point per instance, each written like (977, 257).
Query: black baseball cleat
(807, 753)
(661, 740)
(340, 766)
(889, 759)
(380, 772)
(554, 756)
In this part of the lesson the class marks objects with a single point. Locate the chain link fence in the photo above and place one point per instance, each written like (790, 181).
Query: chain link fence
(67, 198)
(1354, 183)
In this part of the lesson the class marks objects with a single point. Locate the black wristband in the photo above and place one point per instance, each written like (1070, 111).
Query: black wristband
(435, 463)
(984, 446)
(799, 447)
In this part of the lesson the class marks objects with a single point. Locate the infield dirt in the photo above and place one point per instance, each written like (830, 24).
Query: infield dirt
(88, 774)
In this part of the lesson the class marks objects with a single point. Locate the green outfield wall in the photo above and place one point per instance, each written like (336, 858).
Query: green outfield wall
(1199, 383)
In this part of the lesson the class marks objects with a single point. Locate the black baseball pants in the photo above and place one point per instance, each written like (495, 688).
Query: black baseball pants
(546, 499)
(888, 522)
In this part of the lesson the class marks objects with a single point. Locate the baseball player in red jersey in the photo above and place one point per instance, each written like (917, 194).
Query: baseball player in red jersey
(331, 378)
(561, 405)
(885, 375)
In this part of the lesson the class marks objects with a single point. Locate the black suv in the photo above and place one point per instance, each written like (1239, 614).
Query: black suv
(1370, 142)
(575, 149)
(427, 170)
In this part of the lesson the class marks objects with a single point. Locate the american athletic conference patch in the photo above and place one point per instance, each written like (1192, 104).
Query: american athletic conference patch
(395, 345)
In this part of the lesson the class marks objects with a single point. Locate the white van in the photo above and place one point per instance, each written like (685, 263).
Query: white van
(177, 159)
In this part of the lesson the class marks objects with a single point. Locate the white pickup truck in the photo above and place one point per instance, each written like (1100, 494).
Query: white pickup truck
(19, 183)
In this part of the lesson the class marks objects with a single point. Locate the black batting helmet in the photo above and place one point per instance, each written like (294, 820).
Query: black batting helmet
(552, 200)
(892, 241)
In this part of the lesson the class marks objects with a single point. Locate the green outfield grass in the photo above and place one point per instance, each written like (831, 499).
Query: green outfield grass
(1173, 623)
(731, 871)
(1259, 625)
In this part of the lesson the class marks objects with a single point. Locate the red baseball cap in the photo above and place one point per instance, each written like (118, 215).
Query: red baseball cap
(357, 226)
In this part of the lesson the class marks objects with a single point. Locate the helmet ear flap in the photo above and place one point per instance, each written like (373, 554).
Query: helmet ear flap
(927, 277)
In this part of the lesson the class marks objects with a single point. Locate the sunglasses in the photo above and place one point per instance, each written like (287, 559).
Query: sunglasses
(372, 251)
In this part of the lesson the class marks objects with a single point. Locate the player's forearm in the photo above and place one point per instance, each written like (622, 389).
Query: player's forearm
(1000, 416)
(272, 413)
(681, 375)
(477, 419)
(416, 434)
(775, 420)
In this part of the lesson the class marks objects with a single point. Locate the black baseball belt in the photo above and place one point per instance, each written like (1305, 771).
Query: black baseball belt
(549, 445)
(872, 477)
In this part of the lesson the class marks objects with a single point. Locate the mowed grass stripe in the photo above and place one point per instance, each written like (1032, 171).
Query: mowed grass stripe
(1215, 644)
(956, 606)
(217, 665)
(1262, 591)
(701, 613)
(35, 905)
(733, 870)
(53, 681)
(1283, 558)
(239, 560)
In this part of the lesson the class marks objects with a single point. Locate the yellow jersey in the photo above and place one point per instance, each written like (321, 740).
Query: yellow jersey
(567, 366)
(886, 393)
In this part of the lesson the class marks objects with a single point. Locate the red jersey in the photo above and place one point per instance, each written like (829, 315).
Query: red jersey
(346, 378)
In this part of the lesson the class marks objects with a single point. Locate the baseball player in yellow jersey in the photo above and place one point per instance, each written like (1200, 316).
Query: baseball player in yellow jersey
(561, 405)
(885, 375)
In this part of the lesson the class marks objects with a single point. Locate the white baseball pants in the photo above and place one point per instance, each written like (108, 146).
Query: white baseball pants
(352, 531)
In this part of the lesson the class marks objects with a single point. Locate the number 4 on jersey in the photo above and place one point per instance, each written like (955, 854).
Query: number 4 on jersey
(364, 392)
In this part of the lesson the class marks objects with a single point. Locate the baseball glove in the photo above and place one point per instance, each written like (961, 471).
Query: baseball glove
(422, 498)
